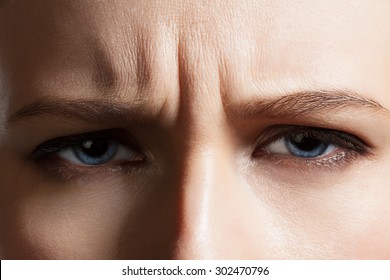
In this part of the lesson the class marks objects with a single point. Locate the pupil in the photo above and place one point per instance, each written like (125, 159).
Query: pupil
(94, 148)
(305, 143)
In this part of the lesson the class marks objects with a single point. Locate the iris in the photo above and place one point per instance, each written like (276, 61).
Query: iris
(95, 151)
(307, 147)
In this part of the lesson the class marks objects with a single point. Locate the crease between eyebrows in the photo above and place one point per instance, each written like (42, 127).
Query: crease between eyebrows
(295, 105)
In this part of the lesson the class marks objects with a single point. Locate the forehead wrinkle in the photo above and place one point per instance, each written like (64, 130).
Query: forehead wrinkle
(127, 64)
(122, 62)
(104, 76)
(145, 56)
(113, 73)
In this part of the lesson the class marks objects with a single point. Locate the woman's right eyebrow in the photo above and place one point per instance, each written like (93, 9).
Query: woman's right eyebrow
(103, 112)
(298, 105)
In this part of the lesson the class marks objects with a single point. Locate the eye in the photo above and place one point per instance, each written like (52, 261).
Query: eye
(309, 143)
(90, 149)
(97, 151)
(301, 146)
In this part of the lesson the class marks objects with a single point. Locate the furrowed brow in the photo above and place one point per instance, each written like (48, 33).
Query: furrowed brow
(295, 105)
(302, 104)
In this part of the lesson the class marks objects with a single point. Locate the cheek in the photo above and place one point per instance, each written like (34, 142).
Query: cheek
(47, 225)
(112, 217)
(372, 242)
(372, 237)
(42, 220)
(137, 218)
(326, 218)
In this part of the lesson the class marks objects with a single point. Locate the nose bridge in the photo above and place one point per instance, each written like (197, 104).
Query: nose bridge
(205, 168)
(206, 178)
(201, 191)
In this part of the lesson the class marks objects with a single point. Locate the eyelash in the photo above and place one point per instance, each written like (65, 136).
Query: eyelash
(55, 145)
(351, 145)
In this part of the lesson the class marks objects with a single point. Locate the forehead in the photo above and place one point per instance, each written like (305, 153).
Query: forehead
(245, 46)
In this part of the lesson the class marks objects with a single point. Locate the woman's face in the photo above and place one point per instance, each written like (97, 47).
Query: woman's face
(195, 129)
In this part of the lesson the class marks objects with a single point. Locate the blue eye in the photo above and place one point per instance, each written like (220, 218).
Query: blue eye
(300, 145)
(307, 147)
(97, 151)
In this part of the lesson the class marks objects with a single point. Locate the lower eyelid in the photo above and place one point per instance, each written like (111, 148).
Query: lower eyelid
(64, 170)
(333, 161)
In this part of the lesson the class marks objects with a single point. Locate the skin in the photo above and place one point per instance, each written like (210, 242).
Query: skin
(182, 70)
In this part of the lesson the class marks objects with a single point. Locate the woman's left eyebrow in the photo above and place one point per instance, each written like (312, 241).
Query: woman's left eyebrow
(304, 104)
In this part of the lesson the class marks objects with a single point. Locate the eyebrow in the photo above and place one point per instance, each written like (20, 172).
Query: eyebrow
(103, 112)
(294, 105)
(302, 104)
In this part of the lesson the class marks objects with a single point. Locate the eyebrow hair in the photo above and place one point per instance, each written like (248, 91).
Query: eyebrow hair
(303, 103)
(89, 111)
(294, 105)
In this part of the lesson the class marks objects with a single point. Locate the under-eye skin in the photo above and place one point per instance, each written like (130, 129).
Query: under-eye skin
(299, 146)
(109, 150)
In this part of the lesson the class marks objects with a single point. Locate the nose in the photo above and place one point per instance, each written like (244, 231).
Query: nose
(215, 208)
